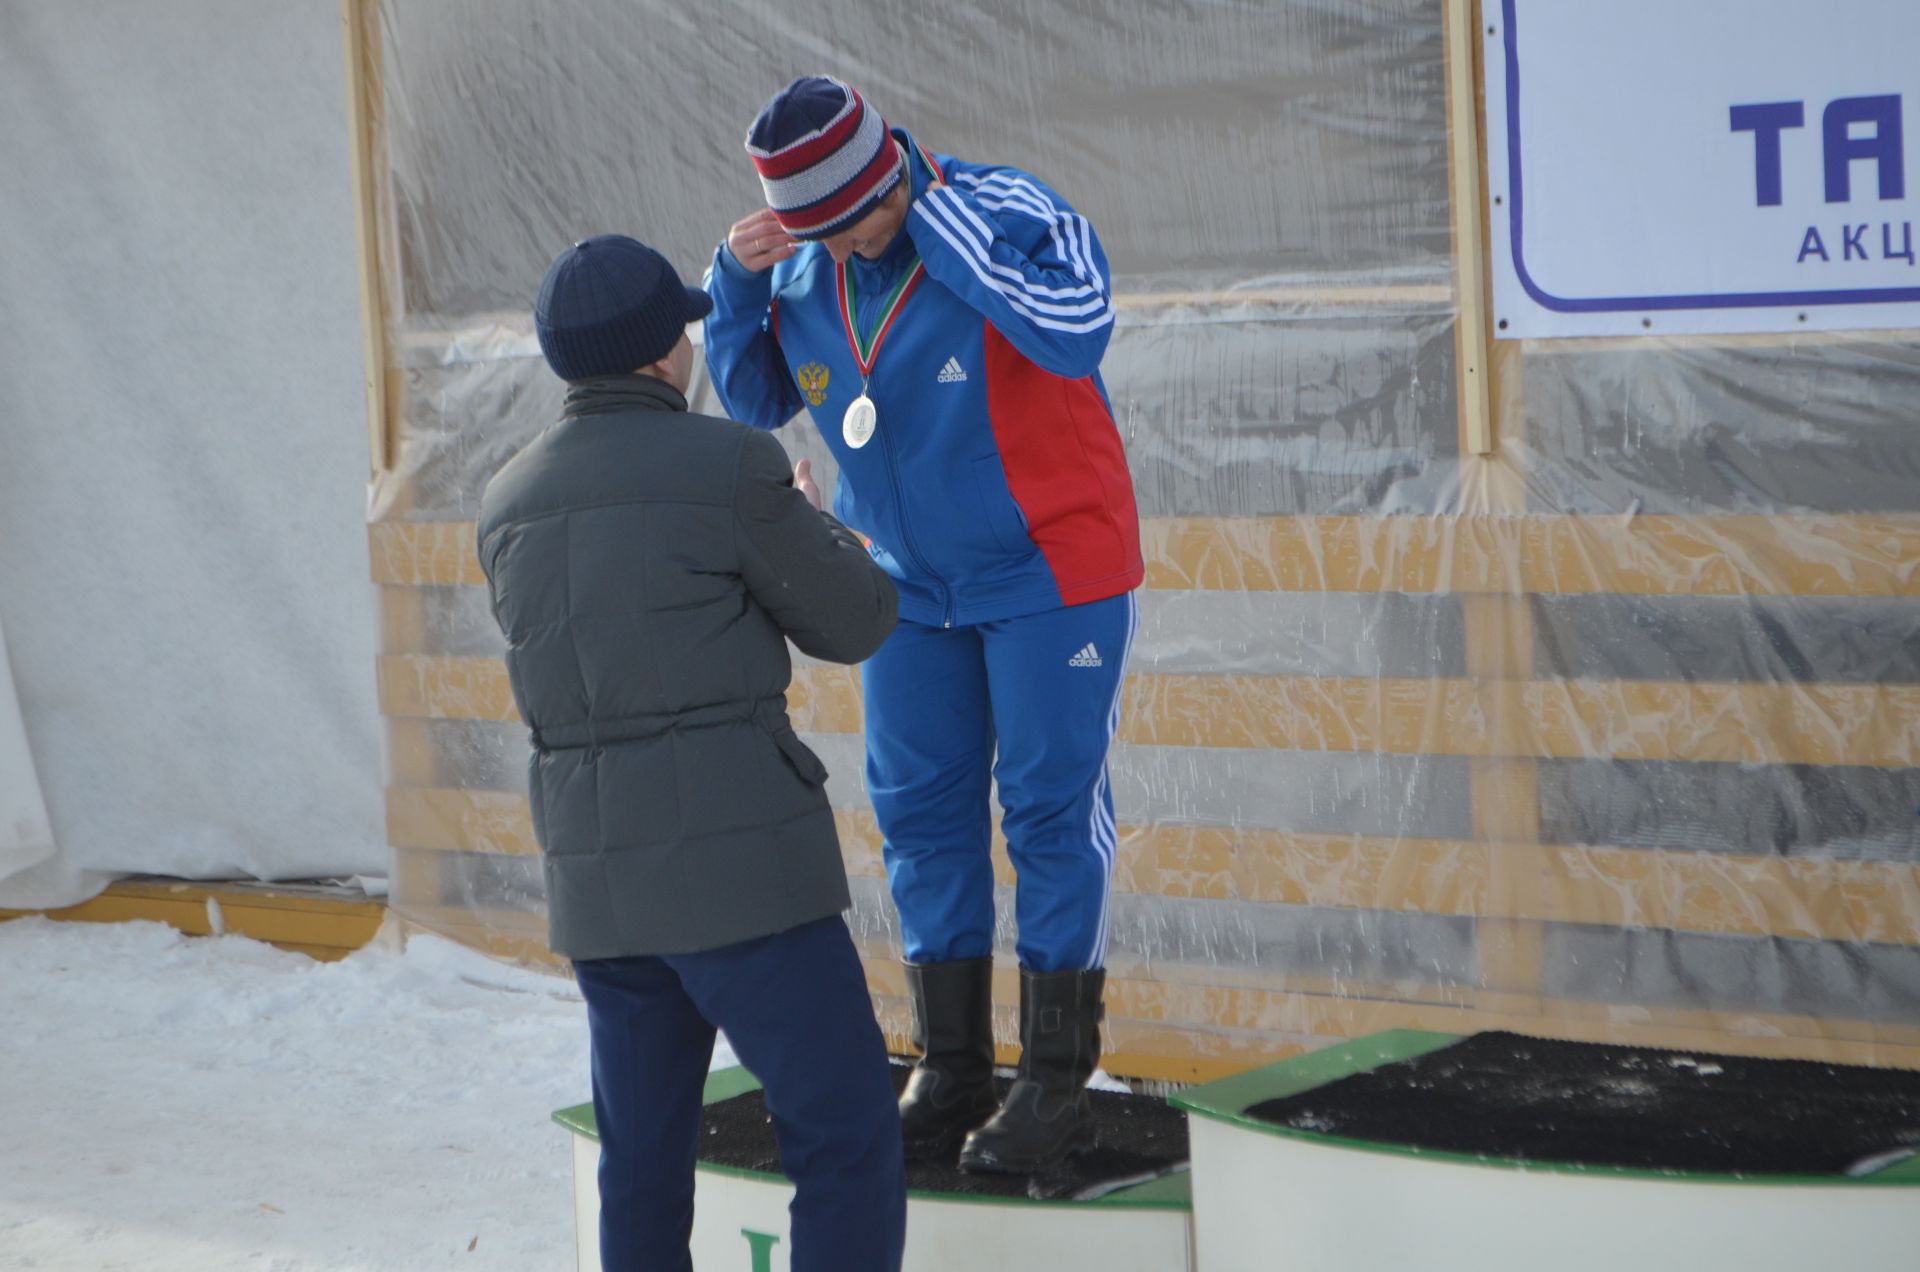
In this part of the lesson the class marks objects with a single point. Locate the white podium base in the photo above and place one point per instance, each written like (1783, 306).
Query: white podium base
(740, 1219)
(1268, 1199)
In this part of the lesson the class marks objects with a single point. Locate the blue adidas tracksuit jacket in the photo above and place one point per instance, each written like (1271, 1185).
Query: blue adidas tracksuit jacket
(995, 491)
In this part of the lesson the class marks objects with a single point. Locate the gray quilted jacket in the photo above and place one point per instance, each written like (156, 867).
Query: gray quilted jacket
(648, 567)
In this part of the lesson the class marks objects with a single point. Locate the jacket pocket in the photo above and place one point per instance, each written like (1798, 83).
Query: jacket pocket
(800, 757)
(998, 508)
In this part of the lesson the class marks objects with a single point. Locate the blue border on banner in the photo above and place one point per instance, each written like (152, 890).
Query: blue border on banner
(1617, 304)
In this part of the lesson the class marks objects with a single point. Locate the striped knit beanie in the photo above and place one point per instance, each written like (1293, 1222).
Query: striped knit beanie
(825, 157)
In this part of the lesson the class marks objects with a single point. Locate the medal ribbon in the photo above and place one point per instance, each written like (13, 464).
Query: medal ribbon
(865, 351)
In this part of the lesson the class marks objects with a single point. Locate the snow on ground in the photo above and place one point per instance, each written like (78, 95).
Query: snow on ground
(176, 1104)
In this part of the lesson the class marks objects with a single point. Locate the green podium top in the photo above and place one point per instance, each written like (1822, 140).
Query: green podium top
(1229, 1099)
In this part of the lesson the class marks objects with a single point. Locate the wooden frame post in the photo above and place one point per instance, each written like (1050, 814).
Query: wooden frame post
(358, 38)
(1465, 162)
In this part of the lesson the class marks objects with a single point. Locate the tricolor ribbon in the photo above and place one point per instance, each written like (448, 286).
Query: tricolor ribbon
(865, 351)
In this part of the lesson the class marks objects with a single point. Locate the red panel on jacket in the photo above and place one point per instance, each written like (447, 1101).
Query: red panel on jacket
(1068, 472)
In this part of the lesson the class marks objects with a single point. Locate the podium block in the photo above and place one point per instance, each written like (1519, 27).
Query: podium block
(740, 1218)
(1277, 1198)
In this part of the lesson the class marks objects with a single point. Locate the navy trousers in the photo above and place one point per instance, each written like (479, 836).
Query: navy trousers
(795, 1007)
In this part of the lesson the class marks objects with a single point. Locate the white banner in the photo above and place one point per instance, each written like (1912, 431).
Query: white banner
(1710, 166)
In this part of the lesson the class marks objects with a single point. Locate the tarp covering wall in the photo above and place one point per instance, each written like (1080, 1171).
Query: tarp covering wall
(183, 447)
(1610, 733)
(26, 835)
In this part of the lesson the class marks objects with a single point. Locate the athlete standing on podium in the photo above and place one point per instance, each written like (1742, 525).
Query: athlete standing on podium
(944, 323)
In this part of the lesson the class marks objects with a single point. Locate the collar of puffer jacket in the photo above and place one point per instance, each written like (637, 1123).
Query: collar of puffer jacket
(604, 393)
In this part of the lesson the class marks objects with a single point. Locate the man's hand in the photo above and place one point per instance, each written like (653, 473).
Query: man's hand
(804, 483)
(757, 241)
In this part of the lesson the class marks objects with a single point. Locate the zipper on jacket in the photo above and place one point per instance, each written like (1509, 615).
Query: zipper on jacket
(906, 535)
(899, 500)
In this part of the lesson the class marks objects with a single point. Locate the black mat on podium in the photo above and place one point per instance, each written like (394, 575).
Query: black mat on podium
(1510, 1096)
(1139, 1138)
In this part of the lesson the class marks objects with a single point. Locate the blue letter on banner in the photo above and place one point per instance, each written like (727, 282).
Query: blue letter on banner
(1883, 147)
(1766, 121)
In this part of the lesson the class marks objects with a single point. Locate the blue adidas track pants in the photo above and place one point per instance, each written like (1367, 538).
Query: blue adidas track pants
(1042, 690)
(795, 1007)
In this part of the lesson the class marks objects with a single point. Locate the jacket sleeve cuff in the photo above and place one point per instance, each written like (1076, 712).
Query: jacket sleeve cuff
(725, 263)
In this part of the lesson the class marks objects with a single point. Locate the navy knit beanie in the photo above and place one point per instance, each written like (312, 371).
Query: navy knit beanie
(610, 305)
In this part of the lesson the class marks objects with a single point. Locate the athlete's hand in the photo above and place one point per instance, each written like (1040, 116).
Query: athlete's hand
(757, 241)
(804, 483)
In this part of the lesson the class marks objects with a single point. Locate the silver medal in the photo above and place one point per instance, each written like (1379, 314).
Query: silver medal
(858, 423)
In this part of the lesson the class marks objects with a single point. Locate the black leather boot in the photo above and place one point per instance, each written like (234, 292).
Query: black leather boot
(1046, 1117)
(951, 1090)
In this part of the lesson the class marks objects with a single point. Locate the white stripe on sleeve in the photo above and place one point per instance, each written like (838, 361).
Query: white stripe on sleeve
(1007, 279)
(1016, 302)
(1030, 197)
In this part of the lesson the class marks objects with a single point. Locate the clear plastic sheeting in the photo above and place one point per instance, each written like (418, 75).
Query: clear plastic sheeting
(1609, 734)
(1248, 143)
(1813, 424)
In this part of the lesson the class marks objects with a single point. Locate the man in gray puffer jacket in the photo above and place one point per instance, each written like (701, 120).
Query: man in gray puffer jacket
(648, 567)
